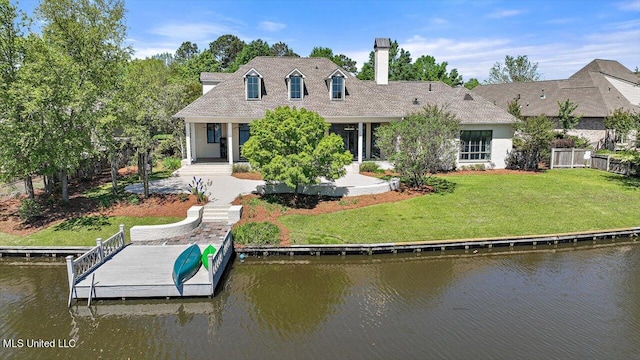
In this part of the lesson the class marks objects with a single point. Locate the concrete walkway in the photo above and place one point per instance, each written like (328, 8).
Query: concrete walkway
(226, 188)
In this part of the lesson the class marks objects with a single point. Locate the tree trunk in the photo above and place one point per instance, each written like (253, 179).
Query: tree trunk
(145, 174)
(114, 174)
(28, 187)
(140, 166)
(64, 184)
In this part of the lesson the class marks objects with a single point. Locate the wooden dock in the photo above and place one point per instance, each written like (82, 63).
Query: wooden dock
(142, 271)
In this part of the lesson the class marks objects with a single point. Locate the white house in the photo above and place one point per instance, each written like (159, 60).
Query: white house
(217, 123)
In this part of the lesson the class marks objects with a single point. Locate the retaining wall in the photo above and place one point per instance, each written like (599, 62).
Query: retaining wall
(158, 232)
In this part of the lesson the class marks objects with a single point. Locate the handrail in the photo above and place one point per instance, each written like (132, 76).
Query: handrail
(218, 258)
(79, 268)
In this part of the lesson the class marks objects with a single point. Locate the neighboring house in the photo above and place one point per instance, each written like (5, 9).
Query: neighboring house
(217, 123)
(599, 88)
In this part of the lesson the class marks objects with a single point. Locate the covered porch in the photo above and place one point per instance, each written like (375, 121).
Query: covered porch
(221, 142)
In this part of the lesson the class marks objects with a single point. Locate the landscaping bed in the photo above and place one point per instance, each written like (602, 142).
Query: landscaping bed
(92, 211)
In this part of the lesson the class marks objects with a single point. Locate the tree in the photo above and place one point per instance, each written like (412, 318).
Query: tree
(250, 51)
(341, 60)
(142, 103)
(472, 83)
(426, 69)
(186, 52)
(400, 67)
(513, 108)
(225, 49)
(85, 38)
(518, 69)
(422, 143)
(292, 146)
(619, 124)
(16, 160)
(319, 51)
(531, 143)
(282, 49)
(368, 70)
(568, 120)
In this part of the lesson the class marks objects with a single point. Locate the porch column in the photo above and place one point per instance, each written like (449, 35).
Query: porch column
(360, 143)
(194, 155)
(230, 142)
(187, 127)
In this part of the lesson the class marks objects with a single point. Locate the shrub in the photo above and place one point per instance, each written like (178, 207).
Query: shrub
(171, 163)
(133, 200)
(563, 143)
(254, 233)
(241, 168)
(440, 185)
(29, 210)
(369, 166)
(183, 197)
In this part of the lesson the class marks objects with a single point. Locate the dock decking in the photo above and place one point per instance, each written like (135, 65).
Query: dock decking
(145, 271)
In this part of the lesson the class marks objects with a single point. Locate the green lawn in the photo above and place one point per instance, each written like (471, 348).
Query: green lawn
(485, 205)
(82, 231)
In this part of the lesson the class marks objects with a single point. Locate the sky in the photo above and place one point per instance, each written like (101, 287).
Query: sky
(560, 35)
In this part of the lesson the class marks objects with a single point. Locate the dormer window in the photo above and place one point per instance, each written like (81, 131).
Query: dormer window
(336, 85)
(253, 84)
(295, 80)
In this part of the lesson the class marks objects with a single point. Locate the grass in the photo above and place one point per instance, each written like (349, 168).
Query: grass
(485, 205)
(82, 231)
(104, 195)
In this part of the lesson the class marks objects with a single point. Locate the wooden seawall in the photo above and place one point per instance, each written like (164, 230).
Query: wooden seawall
(441, 245)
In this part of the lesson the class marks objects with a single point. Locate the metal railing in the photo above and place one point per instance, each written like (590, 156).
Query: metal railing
(78, 268)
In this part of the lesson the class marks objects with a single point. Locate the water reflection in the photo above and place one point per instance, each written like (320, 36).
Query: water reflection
(566, 304)
(292, 299)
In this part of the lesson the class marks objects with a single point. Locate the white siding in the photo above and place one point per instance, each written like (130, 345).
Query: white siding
(501, 144)
(628, 90)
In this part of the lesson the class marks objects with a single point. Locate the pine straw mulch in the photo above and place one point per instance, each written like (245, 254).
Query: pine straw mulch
(54, 212)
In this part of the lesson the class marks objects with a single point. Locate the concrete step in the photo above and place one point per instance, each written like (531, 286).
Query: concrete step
(204, 170)
(215, 213)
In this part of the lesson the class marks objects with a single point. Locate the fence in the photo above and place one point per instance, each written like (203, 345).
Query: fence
(606, 163)
(83, 265)
(570, 158)
(580, 158)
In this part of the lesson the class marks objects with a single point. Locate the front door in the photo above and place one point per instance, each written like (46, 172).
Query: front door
(349, 134)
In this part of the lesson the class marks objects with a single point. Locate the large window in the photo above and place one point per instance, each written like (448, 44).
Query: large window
(253, 88)
(213, 133)
(475, 145)
(295, 87)
(337, 88)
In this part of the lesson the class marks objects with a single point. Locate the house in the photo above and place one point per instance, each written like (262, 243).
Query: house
(217, 123)
(598, 89)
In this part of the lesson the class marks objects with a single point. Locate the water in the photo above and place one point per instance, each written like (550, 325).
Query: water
(580, 304)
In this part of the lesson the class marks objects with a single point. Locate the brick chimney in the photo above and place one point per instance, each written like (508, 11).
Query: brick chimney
(381, 48)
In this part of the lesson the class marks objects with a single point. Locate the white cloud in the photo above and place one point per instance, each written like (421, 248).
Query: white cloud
(500, 14)
(439, 21)
(195, 31)
(559, 60)
(633, 5)
(271, 26)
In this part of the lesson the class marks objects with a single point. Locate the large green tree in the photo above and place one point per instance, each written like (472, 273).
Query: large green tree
(143, 106)
(566, 117)
(471, 83)
(225, 49)
(292, 146)
(426, 69)
(282, 49)
(341, 60)
(86, 38)
(619, 124)
(422, 143)
(249, 51)
(518, 69)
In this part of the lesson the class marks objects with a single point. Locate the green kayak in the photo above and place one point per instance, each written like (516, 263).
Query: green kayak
(186, 265)
(205, 255)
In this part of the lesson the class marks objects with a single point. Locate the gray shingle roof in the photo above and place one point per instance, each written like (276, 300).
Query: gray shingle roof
(589, 88)
(364, 99)
(207, 76)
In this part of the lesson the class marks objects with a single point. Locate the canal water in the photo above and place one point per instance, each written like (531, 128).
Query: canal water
(578, 304)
